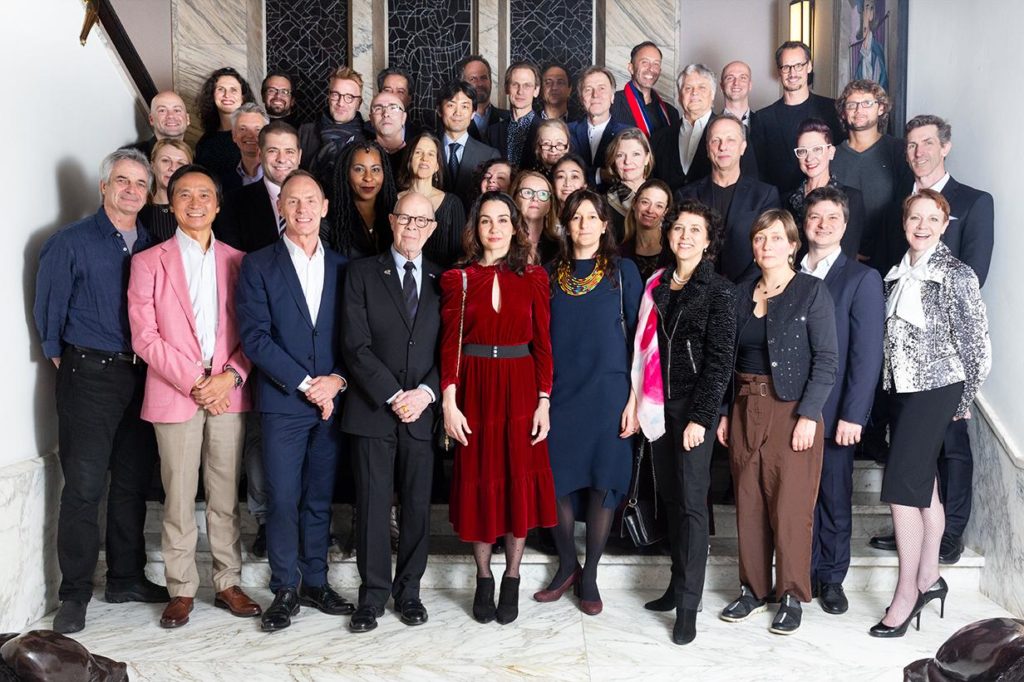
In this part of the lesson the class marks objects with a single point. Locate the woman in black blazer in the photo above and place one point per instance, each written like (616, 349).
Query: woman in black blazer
(785, 366)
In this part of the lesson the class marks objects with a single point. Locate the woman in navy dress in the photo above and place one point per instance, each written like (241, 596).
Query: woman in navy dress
(594, 304)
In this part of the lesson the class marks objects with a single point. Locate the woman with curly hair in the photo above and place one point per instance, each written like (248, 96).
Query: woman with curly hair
(221, 95)
(363, 195)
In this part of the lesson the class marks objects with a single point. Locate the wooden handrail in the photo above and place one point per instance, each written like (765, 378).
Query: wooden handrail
(102, 12)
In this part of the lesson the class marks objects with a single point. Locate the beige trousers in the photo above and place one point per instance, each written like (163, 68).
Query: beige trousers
(215, 443)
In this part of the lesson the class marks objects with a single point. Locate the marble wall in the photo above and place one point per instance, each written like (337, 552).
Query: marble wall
(996, 528)
(629, 22)
(29, 576)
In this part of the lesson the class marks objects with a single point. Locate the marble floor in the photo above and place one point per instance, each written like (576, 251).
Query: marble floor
(548, 642)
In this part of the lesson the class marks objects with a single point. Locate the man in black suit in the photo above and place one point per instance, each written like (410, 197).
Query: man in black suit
(462, 153)
(773, 130)
(739, 198)
(476, 71)
(391, 357)
(970, 238)
(638, 103)
(856, 291)
(679, 149)
(590, 136)
(515, 136)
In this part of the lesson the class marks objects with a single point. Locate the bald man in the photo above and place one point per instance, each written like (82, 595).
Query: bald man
(168, 118)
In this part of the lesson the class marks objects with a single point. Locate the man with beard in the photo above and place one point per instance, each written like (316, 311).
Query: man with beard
(555, 91)
(279, 97)
(322, 140)
(638, 103)
(169, 119)
(476, 71)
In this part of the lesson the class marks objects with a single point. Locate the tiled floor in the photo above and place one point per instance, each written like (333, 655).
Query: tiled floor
(548, 642)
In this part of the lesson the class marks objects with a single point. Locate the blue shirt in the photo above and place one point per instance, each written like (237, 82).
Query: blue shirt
(81, 287)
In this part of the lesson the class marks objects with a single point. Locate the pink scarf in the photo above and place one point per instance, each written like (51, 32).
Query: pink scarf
(645, 374)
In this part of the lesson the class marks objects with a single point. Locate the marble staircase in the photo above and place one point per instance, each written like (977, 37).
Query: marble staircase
(451, 563)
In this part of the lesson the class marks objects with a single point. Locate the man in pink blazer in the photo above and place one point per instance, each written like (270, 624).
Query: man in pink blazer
(181, 305)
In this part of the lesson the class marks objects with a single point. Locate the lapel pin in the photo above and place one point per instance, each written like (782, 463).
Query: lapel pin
(387, 272)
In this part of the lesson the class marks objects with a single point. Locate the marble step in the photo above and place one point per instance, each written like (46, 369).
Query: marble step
(451, 566)
(867, 476)
(870, 517)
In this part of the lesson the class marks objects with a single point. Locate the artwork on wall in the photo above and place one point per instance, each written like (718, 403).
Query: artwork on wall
(307, 39)
(428, 38)
(871, 43)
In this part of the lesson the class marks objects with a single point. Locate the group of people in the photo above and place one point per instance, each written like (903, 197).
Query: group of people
(547, 296)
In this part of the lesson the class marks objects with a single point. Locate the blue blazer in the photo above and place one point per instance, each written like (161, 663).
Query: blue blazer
(579, 141)
(856, 291)
(277, 332)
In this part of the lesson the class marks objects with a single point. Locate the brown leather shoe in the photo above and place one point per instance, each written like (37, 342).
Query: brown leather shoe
(176, 613)
(237, 602)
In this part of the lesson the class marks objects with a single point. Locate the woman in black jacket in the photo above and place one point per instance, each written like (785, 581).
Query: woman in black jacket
(785, 366)
(694, 312)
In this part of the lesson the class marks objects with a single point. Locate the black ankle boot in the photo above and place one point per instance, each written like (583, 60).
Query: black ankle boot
(685, 629)
(508, 600)
(483, 600)
(665, 602)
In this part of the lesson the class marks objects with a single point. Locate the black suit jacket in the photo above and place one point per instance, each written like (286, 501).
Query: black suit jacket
(623, 114)
(971, 232)
(750, 199)
(247, 220)
(473, 155)
(386, 352)
(497, 137)
(579, 141)
(494, 115)
(667, 165)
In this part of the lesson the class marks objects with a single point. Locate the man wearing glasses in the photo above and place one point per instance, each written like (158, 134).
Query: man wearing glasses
(279, 97)
(391, 358)
(339, 124)
(774, 129)
(387, 118)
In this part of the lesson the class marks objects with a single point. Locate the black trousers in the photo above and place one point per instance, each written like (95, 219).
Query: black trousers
(683, 482)
(956, 474)
(98, 402)
(380, 463)
(833, 515)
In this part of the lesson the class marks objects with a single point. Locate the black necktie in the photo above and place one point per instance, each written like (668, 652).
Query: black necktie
(453, 160)
(412, 300)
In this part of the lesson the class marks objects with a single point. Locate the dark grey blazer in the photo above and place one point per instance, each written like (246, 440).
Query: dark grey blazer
(473, 155)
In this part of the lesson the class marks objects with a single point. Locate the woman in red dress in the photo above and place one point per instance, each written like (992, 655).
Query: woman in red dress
(496, 393)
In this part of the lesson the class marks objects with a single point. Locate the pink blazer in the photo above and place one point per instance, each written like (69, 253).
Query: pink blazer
(164, 330)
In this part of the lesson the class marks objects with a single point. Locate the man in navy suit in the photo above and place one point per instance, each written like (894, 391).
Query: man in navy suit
(591, 135)
(856, 291)
(738, 197)
(288, 301)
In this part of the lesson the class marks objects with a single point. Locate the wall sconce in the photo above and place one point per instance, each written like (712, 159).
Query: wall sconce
(801, 21)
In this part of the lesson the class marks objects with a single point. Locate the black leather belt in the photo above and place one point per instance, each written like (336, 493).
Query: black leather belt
(130, 358)
(497, 352)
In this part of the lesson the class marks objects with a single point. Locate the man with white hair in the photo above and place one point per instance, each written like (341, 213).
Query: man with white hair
(679, 156)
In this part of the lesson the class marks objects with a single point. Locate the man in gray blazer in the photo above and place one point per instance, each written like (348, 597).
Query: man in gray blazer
(462, 154)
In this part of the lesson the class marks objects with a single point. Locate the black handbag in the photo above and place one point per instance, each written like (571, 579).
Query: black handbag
(640, 516)
(446, 443)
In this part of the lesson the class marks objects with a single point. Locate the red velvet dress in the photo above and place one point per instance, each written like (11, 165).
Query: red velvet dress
(500, 483)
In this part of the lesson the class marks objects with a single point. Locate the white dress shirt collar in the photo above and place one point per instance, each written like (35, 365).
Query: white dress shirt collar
(938, 186)
(824, 265)
(274, 192)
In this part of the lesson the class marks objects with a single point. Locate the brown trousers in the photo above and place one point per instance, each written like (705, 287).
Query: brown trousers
(776, 489)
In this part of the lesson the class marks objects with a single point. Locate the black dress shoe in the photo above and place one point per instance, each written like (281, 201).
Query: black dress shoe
(279, 615)
(950, 549)
(743, 606)
(412, 611)
(787, 620)
(508, 600)
(259, 545)
(325, 600)
(483, 600)
(365, 619)
(70, 617)
(833, 599)
(665, 602)
(685, 629)
(140, 590)
(883, 542)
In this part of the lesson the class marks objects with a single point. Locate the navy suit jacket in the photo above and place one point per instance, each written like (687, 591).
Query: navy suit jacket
(580, 143)
(856, 291)
(277, 332)
(751, 199)
(971, 232)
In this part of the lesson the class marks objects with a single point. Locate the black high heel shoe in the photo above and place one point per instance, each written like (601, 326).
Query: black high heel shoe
(938, 590)
(883, 630)
(483, 600)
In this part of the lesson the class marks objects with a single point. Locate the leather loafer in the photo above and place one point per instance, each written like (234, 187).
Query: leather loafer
(141, 590)
(832, 598)
(950, 549)
(279, 615)
(325, 600)
(70, 617)
(237, 602)
(883, 542)
(176, 613)
(365, 619)
(412, 611)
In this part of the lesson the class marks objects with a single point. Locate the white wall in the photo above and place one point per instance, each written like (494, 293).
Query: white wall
(976, 87)
(68, 106)
(148, 23)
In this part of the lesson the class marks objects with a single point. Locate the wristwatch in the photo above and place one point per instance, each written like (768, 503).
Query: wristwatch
(238, 377)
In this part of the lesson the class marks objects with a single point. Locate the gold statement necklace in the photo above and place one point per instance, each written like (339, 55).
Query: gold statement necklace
(576, 286)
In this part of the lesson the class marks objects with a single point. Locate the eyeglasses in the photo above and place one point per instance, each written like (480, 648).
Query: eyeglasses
(866, 104)
(284, 92)
(540, 194)
(794, 68)
(382, 109)
(406, 220)
(336, 97)
(816, 150)
(554, 146)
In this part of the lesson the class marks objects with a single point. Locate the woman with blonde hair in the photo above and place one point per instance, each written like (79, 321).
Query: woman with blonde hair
(535, 199)
(629, 162)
